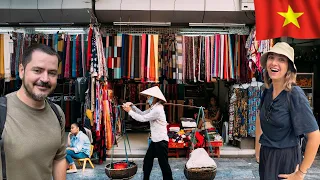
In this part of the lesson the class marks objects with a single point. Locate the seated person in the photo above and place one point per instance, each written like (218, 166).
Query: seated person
(213, 111)
(208, 123)
(78, 146)
(189, 112)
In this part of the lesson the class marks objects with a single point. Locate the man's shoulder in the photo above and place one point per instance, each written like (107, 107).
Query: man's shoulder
(60, 111)
(11, 95)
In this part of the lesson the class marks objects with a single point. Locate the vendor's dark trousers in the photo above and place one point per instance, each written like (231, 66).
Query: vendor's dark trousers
(160, 150)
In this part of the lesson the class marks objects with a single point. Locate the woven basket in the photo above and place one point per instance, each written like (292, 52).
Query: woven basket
(126, 173)
(200, 173)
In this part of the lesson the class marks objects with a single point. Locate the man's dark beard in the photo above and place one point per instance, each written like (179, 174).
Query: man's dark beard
(34, 96)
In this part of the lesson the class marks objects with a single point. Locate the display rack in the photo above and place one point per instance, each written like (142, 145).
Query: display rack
(306, 82)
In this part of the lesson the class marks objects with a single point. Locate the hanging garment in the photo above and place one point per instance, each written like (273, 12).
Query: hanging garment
(217, 56)
(94, 56)
(129, 60)
(241, 119)
(184, 60)
(125, 56)
(231, 57)
(232, 114)
(67, 61)
(1, 56)
(179, 56)
(202, 73)
(148, 58)
(74, 57)
(13, 56)
(143, 56)
(78, 56)
(83, 55)
(156, 58)
(208, 63)
(60, 52)
(7, 52)
(131, 75)
(89, 49)
(100, 57)
(117, 57)
(136, 57)
(152, 59)
(254, 95)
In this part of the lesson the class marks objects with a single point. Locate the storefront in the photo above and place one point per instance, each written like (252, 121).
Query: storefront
(102, 68)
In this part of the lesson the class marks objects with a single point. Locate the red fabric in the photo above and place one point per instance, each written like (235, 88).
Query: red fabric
(270, 24)
(77, 55)
(89, 48)
(143, 56)
(67, 61)
(200, 139)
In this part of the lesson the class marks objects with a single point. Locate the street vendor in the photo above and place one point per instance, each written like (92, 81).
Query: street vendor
(158, 126)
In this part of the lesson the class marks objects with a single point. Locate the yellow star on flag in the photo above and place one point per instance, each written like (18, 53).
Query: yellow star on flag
(291, 17)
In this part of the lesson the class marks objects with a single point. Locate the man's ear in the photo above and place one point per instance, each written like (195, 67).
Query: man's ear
(21, 71)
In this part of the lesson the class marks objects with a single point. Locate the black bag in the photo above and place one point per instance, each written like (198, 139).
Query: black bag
(3, 116)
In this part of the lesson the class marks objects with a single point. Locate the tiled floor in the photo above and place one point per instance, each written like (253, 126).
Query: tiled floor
(139, 146)
(228, 169)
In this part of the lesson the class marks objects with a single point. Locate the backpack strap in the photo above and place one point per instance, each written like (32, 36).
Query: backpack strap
(56, 111)
(3, 112)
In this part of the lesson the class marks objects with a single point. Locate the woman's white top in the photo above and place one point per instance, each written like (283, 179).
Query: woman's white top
(157, 118)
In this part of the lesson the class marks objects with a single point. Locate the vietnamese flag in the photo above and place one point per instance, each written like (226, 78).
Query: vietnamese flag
(298, 19)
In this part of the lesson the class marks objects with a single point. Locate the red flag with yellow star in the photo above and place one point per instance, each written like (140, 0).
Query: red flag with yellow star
(298, 19)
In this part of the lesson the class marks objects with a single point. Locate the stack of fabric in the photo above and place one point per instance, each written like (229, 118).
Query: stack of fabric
(179, 136)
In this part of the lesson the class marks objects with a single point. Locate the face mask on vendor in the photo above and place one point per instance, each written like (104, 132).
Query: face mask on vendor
(150, 100)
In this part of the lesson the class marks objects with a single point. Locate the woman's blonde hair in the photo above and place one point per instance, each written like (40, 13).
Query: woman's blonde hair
(290, 77)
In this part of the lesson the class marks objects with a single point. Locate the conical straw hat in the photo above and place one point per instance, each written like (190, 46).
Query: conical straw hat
(155, 92)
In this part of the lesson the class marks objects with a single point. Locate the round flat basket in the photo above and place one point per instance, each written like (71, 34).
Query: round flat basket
(125, 173)
(200, 173)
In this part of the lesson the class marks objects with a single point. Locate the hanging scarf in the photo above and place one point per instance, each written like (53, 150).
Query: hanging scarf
(1, 56)
(84, 69)
(208, 73)
(156, 58)
(136, 57)
(74, 58)
(67, 60)
(152, 60)
(89, 49)
(143, 56)
(132, 57)
(179, 55)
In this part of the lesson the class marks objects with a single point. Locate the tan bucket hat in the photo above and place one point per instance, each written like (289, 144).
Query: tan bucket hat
(282, 48)
(155, 92)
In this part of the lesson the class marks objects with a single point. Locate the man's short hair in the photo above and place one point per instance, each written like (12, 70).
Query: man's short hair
(27, 54)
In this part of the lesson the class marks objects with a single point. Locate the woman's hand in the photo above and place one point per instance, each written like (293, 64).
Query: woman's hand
(69, 148)
(126, 108)
(128, 104)
(257, 158)
(297, 175)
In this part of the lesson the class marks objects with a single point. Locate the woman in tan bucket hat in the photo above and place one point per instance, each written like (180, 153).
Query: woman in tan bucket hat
(284, 115)
(158, 126)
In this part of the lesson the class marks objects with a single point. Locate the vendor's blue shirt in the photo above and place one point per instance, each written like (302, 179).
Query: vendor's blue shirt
(80, 143)
(282, 125)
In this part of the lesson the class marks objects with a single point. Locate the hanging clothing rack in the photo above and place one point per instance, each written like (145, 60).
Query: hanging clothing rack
(173, 30)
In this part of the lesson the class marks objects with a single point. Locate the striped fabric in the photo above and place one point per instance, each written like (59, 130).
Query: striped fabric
(1, 56)
(179, 56)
